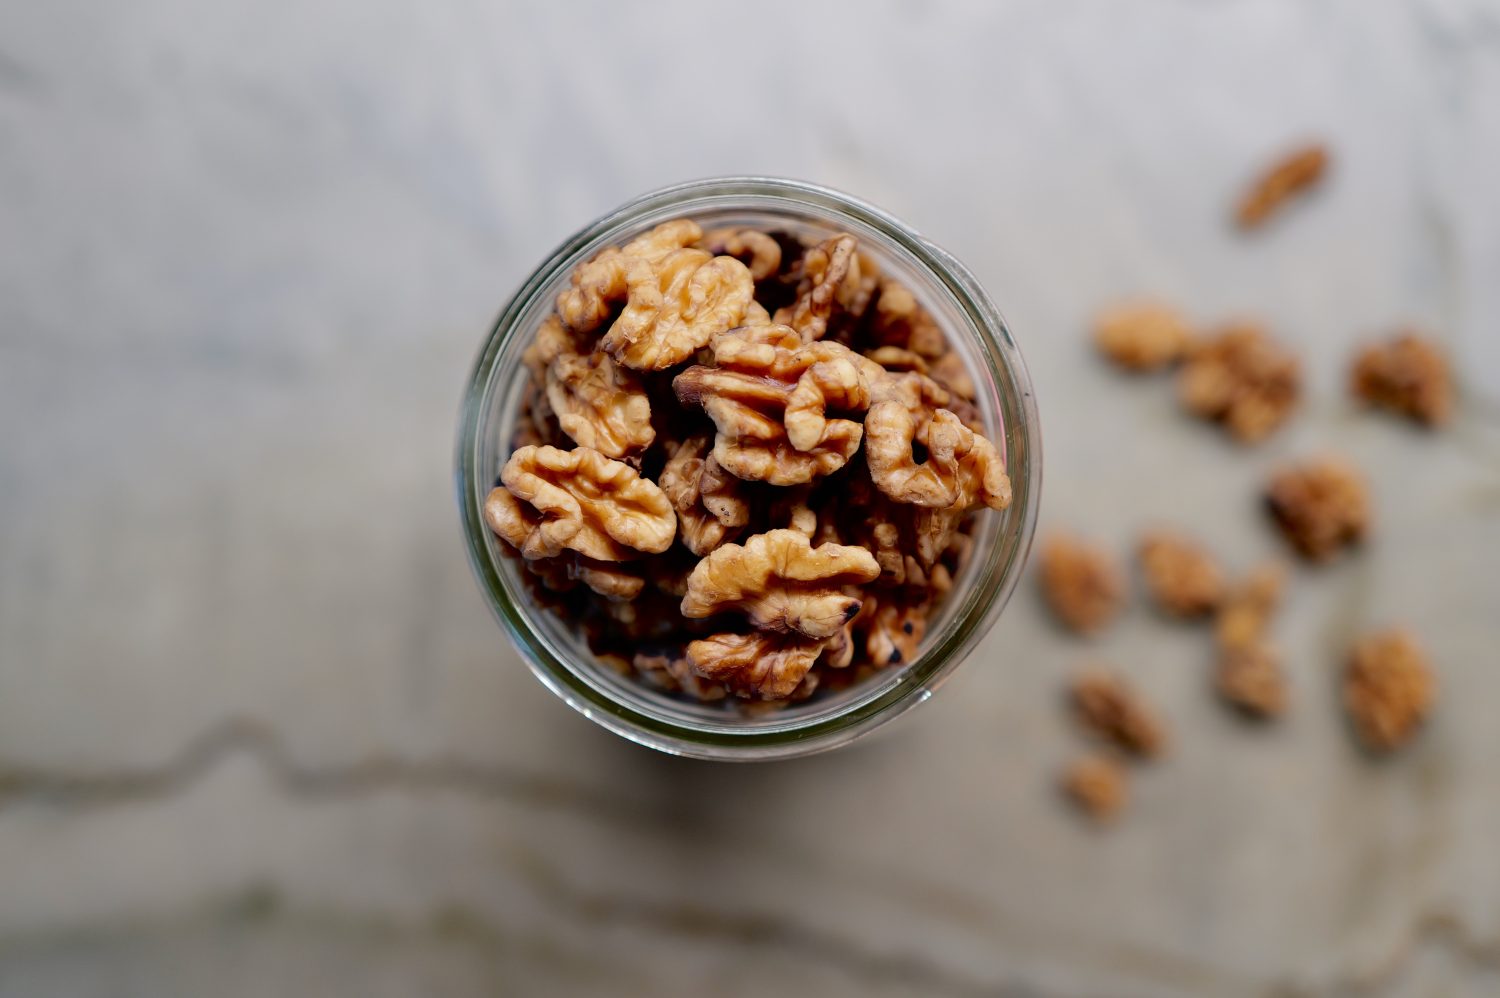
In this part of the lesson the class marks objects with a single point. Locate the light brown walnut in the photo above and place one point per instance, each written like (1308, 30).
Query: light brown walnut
(900, 320)
(1109, 708)
(1407, 375)
(675, 306)
(1182, 578)
(962, 468)
(710, 507)
(768, 666)
(823, 270)
(1246, 610)
(612, 580)
(782, 583)
(1322, 505)
(1082, 582)
(1250, 678)
(1097, 785)
(1292, 174)
(598, 403)
(1142, 335)
(952, 373)
(893, 626)
(601, 284)
(1389, 688)
(669, 667)
(768, 396)
(1243, 379)
(757, 250)
(553, 500)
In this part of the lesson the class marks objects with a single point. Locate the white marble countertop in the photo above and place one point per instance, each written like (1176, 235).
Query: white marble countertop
(259, 735)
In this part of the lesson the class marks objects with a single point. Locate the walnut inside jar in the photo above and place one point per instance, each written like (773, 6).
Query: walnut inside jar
(732, 508)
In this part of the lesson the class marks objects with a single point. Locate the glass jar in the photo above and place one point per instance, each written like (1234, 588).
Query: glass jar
(560, 658)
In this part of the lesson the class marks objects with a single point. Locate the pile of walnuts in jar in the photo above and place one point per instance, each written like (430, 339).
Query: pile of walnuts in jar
(747, 466)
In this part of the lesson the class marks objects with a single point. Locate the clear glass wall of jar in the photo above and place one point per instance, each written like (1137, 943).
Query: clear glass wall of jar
(560, 658)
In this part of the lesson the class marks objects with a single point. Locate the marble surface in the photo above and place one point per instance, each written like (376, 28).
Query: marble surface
(258, 734)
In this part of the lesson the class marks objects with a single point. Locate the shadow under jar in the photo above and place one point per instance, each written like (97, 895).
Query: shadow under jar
(553, 647)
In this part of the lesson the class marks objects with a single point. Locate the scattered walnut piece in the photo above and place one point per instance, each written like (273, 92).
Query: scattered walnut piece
(1246, 609)
(1083, 583)
(769, 666)
(552, 499)
(1182, 578)
(709, 508)
(782, 582)
(1408, 375)
(1321, 505)
(1142, 335)
(598, 403)
(1243, 379)
(1250, 677)
(823, 270)
(1388, 688)
(1296, 172)
(1097, 784)
(1111, 710)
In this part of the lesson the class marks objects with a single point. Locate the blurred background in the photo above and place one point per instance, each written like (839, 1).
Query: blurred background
(258, 733)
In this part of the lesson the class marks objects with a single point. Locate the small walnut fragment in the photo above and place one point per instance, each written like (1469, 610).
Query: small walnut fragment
(670, 667)
(1097, 785)
(1082, 582)
(892, 626)
(823, 269)
(598, 403)
(900, 320)
(1142, 335)
(1111, 710)
(782, 583)
(1243, 379)
(1388, 688)
(1247, 607)
(1322, 505)
(769, 666)
(1408, 375)
(1250, 678)
(1182, 578)
(710, 507)
(580, 500)
(1295, 173)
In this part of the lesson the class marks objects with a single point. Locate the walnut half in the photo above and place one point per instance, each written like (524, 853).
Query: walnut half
(782, 583)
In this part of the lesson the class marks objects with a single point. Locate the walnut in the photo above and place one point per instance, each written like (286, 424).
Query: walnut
(1296, 172)
(962, 468)
(952, 373)
(1408, 375)
(900, 320)
(1180, 575)
(898, 359)
(892, 627)
(676, 306)
(757, 250)
(823, 269)
(602, 283)
(769, 397)
(782, 582)
(1321, 506)
(598, 403)
(1243, 379)
(859, 287)
(1246, 609)
(1250, 677)
(1388, 688)
(1142, 335)
(1111, 710)
(1097, 784)
(1083, 583)
(770, 666)
(710, 509)
(669, 667)
(579, 500)
(536, 423)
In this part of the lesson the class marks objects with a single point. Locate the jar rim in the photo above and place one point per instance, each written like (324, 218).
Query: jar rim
(911, 684)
